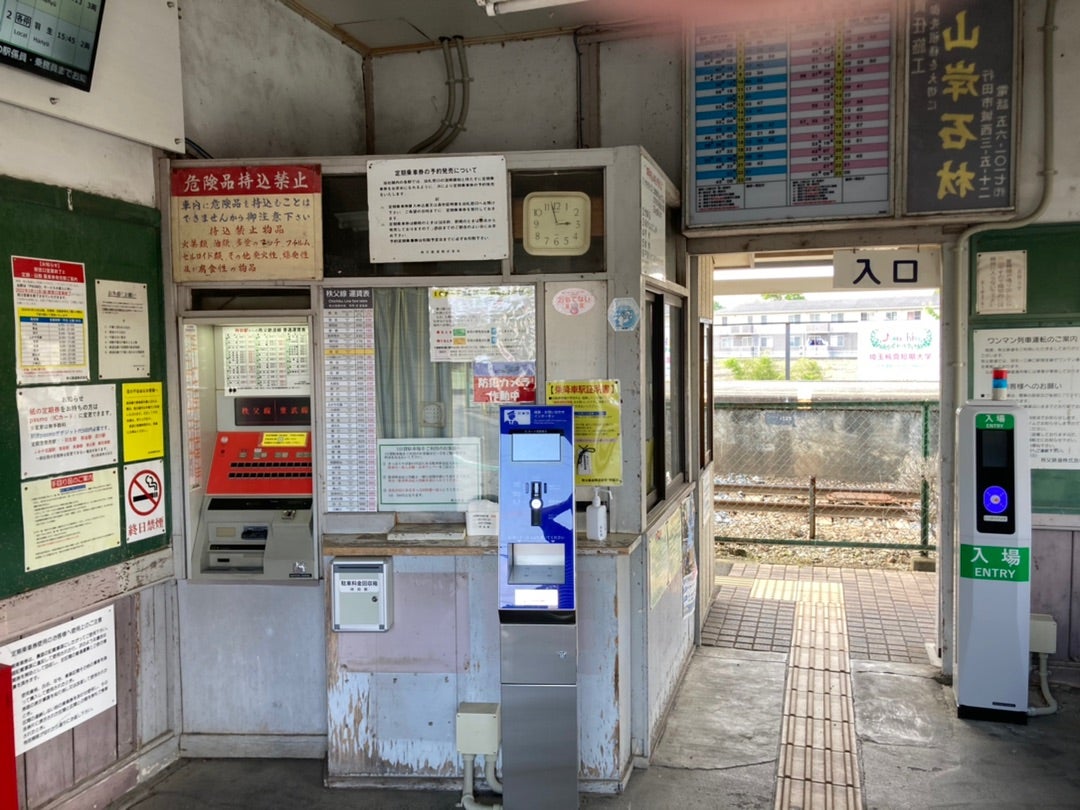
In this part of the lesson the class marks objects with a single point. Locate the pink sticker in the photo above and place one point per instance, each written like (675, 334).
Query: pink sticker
(573, 301)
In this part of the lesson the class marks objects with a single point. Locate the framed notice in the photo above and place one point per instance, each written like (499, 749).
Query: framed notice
(246, 222)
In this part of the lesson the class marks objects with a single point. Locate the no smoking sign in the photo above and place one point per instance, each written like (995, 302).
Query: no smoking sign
(144, 499)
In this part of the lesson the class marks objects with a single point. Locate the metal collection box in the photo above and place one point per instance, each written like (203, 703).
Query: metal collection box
(362, 594)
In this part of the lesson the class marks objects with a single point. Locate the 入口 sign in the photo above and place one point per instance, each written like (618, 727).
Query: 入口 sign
(887, 268)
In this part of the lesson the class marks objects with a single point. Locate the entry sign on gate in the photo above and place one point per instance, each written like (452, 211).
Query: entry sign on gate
(144, 501)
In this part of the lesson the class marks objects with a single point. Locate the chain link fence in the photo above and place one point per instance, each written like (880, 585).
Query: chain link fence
(830, 473)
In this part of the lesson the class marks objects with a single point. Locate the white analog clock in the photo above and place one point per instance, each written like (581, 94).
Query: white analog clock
(556, 223)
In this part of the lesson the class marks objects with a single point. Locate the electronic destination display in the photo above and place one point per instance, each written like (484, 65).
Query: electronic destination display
(57, 40)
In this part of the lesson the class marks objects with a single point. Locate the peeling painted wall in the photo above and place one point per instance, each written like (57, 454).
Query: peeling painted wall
(392, 712)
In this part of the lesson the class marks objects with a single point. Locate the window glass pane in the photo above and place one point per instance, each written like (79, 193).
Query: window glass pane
(653, 433)
(674, 401)
(421, 399)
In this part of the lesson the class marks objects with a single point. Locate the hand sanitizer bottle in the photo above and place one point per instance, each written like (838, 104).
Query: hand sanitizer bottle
(596, 518)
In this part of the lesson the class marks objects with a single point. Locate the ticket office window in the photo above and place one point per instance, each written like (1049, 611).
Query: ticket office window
(665, 395)
(434, 387)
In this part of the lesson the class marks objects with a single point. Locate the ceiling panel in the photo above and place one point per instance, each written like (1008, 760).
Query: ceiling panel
(400, 24)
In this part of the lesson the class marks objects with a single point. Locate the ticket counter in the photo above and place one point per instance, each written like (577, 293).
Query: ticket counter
(444, 646)
(573, 293)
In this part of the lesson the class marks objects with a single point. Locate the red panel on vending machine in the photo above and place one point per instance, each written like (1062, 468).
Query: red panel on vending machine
(261, 463)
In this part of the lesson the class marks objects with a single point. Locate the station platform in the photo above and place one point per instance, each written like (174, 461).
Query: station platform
(814, 688)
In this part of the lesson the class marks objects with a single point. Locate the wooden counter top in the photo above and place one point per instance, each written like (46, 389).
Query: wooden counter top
(417, 540)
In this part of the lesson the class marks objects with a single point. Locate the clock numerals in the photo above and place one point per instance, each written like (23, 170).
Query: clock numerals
(557, 224)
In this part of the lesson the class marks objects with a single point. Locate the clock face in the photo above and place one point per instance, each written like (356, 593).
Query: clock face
(556, 223)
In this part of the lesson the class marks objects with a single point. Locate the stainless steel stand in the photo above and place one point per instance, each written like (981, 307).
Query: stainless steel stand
(539, 716)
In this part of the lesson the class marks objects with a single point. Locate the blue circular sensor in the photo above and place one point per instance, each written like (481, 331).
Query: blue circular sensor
(995, 499)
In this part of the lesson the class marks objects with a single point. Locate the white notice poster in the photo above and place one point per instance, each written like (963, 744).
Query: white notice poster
(1044, 377)
(1001, 282)
(438, 209)
(123, 328)
(62, 677)
(66, 427)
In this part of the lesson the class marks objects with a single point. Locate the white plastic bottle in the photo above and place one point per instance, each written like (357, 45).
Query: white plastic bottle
(596, 518)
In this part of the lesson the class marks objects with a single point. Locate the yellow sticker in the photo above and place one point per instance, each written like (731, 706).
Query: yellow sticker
(284, 439)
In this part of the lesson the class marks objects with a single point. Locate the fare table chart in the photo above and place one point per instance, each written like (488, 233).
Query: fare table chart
(792, 120)
(349, 366)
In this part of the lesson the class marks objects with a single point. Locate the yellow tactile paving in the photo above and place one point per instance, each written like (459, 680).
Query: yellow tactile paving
(818, 768)
(805, 613)
(734, 582)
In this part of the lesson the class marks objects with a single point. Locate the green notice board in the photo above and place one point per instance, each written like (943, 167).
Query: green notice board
(83, 382)
(1028, 322)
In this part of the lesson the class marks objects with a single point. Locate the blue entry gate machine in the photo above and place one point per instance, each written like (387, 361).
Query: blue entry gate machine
(538, 607)
(993, 610)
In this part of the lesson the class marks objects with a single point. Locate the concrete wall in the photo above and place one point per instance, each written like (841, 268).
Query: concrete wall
(523, 96)
(260, 81)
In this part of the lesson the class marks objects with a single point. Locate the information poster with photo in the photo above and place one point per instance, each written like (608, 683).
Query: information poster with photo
(598, 459)
(482, 323)
(1044, 377)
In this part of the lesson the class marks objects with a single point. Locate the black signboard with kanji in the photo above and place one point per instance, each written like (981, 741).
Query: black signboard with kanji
(961, 106)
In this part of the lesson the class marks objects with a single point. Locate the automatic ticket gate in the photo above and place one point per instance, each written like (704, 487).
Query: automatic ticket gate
(256, 518)
(538, 607)
(993, 605)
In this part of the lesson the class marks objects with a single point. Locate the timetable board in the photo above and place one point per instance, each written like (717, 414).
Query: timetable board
(792, 119)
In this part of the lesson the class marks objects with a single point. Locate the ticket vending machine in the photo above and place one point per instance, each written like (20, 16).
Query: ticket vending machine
(538, 607)
(993, 607)
(253, 518)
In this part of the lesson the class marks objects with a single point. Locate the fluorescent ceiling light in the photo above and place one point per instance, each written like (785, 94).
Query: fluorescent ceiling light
(494, 7)
(763, 273)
